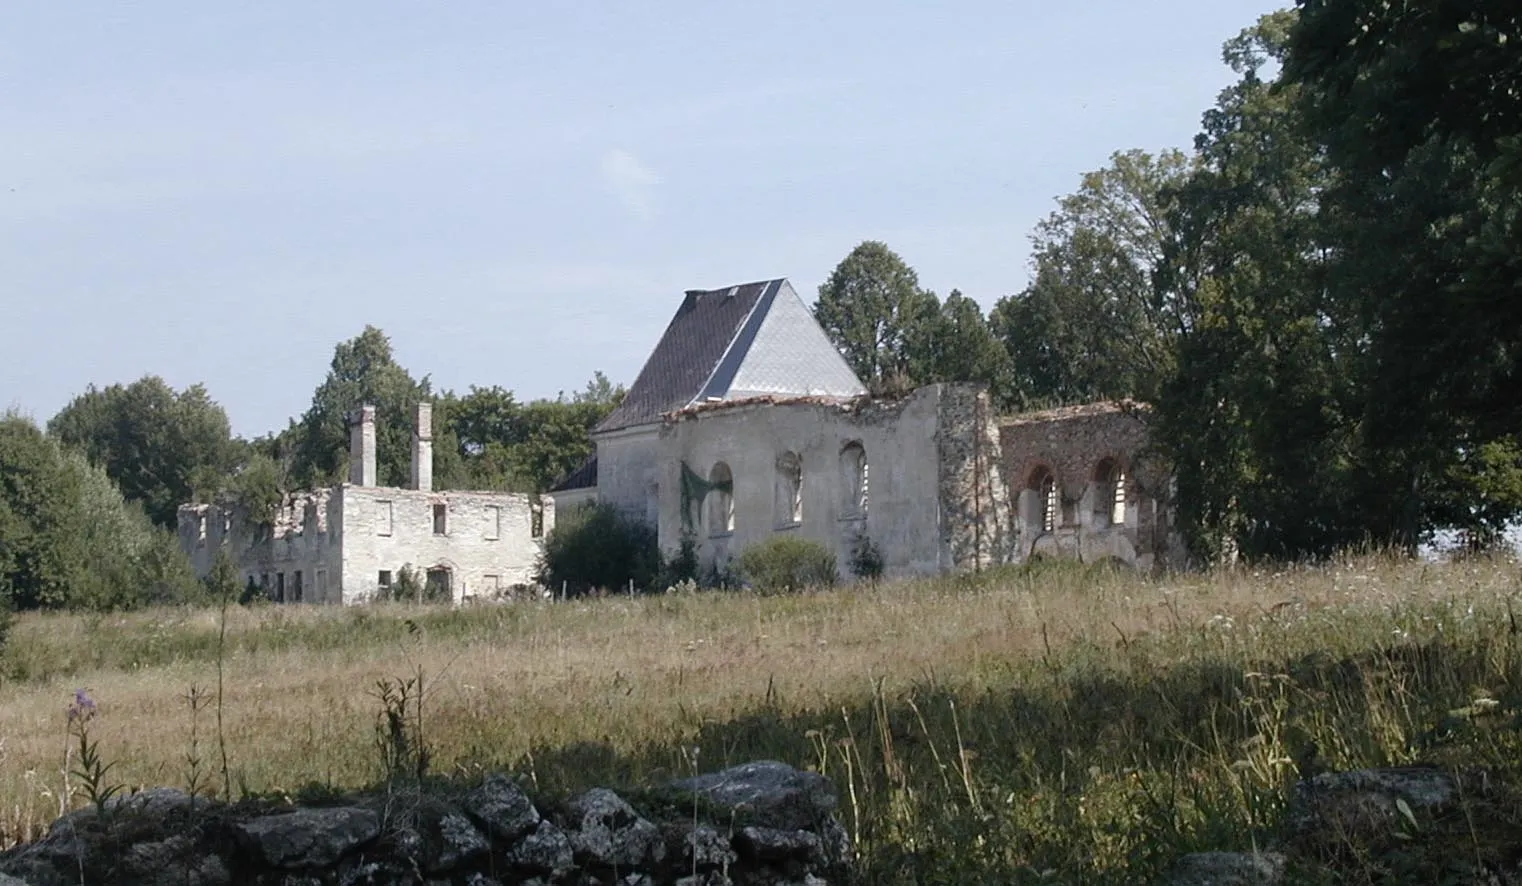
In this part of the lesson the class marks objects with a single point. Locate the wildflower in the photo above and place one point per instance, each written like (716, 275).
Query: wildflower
(83, 707)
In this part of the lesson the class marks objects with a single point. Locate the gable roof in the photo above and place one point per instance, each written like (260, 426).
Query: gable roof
(711, 341)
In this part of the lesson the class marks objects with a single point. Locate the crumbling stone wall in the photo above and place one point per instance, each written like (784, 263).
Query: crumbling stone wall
(332, 545)
(1071, 445)
(977, 519)
(759, 824)
(903, 452)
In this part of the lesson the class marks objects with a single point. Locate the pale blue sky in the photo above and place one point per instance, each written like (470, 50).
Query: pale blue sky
(519, 193)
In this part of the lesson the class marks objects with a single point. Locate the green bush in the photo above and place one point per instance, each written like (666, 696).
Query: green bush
(787, 563)
(599, 548)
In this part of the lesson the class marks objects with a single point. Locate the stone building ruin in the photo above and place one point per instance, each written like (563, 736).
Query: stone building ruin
(746, 423)
(346, 543)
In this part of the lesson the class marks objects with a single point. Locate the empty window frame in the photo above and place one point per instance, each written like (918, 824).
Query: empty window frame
(383, 516)
(296, 587)
(441, 519)
(721, 500)
(854, 480)
(493, 522)
(1110, 493)
(1043, 498)
(789, 489)
(383, 580)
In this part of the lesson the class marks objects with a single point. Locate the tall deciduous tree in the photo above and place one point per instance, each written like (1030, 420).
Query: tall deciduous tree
(363, 372)
(957, 345)
(67, 536)
(873, 308)
(1095, 323)
(159, 445)
(1419, 109)
(1260, 416)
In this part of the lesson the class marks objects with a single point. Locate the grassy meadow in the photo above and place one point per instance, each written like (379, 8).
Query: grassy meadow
(1045, 724)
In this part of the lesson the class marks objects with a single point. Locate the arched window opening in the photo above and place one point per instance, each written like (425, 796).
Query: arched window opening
(853, 469)
(1110, 493)
(789, 489)
(1044, 502)
(721, 500)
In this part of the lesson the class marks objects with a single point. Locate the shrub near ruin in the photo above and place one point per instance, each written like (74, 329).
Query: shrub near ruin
(786, 563)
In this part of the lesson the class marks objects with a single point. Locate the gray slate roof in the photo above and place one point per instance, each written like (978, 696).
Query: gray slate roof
(693, 344)
(755, 338)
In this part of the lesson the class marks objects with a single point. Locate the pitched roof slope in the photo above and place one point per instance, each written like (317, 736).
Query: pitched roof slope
(692, 346)
(736, 342)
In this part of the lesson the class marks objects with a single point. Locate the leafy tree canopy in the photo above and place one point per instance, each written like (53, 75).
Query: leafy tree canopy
(159, 445)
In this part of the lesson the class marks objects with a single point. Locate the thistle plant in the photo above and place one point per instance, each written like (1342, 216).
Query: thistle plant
(92, 768)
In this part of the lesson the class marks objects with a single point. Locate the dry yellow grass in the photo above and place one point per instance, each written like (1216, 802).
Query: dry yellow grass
(640, 678)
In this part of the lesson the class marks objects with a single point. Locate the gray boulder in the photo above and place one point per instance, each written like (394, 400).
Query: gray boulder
(1227, 869)
(458, 842)
(765, 793)
(8, 880)
(547, 851)
(309, 838)
(610, 833)
(1366, 807)
(704, 847)
(502, 808)
(773, 846)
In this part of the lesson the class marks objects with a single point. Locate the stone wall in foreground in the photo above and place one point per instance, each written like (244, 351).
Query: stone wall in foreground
(762, 823)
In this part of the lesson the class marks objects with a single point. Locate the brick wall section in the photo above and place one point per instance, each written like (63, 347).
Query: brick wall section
(1072, 443)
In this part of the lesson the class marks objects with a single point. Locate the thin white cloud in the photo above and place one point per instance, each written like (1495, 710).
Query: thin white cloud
(631, 181)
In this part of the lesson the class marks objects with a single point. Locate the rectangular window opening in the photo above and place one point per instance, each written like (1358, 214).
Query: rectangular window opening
(440, 519)
(383, 518)
(296, 587)
(384, 579)
(493, 522)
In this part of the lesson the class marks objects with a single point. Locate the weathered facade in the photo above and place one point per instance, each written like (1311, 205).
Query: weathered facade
(1083, 486)
(344, 543)
(730, 437)
(918, 477)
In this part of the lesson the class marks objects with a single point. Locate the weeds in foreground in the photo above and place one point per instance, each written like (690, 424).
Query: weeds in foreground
(92, 766)
(1031, 726)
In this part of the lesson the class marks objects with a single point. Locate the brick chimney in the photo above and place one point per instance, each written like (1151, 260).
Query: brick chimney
(422, 448)
(362, 446)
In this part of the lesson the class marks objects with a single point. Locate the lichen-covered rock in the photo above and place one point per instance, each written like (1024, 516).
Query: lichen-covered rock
(547, 851)
(775, 846)
(458, 842)
(309, 838)
(704, 847)
(610, 833)
(1227, 869)
(1365, 807)
(765, 793)
(711, 878)
(174, 861)
(501, 807)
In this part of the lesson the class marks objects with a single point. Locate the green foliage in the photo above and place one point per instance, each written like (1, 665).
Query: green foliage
(866, 559)
(160, 446)
(787, 563)
(1093, 324)
(525, 447)
(67, 537)
(874, 310)
(363, 372)
(596, 548)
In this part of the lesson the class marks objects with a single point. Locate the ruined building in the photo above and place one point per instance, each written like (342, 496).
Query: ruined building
(344, 543)
(746, 423)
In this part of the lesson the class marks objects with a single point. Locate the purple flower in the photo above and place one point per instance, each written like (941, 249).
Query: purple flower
(83, 707)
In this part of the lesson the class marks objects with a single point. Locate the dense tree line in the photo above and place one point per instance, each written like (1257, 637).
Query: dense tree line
(1323, 299)
(88, 505)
